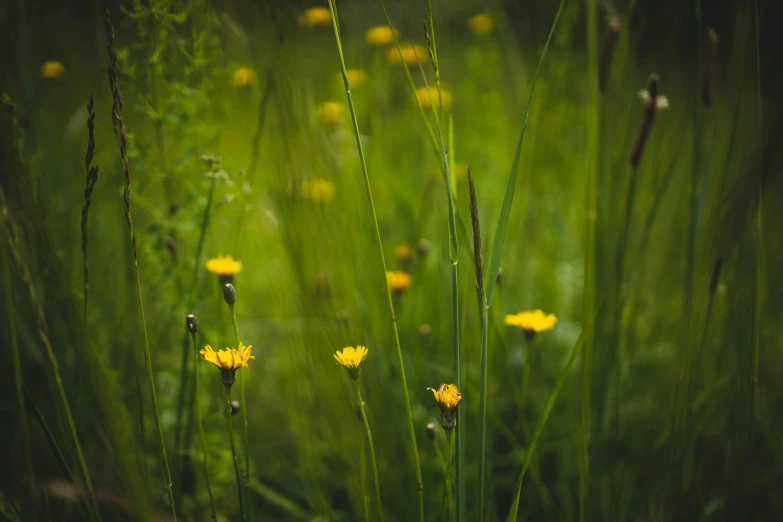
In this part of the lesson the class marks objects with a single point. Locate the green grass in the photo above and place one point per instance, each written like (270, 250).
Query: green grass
(655, 397)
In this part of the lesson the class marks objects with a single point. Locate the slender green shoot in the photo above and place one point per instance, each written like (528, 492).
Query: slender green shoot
(201, 426)
(372, 446)
(390, 302)
(229, 416)
(243, 405)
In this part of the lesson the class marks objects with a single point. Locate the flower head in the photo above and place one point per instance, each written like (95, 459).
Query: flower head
(315, 16)
(330, 112)
(245, 77)
(398, 281)
(429, 95)
(52, 69)
(532, 321)
(448, 398)
(225, 268)
(481, 23)
(412, 54)
(228, 361)
(356, 77)
(380, 35)
(351, 358)
(403, 253)
(317, 189)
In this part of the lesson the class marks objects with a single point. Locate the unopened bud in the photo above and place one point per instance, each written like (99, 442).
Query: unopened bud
(425, 330)
(234, 407)
(359, 410)
(191, 323)
(229, 294)
(423, 247)
(499, 277)
(432, 431)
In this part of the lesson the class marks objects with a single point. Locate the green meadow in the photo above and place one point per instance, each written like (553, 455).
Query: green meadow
(497, 261)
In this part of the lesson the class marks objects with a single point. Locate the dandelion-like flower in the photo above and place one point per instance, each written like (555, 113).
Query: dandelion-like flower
(356, 77)
(245, 77)
(532, 322)
(228, 361)
(403, 253)
(429, 95)
(225, 268)
(412, 54)
(317, 189)
(448, 398)
(380, 35)
(481, 23)
(315, 16)
(52, 69)
(398, 281)
(330, 112)
(351, 359)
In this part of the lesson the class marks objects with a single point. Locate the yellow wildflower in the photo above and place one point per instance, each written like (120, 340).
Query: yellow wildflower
(398, 281)
(330, 112)
(448, 398)
(315, 16)
(403, 253)
(412, 54)
(317, 189)
(52, 69)
(228, 361)
(532, 321)
(356, 77)
(481, 23)
(429, 95)
(351, 358)
(245, 77)
(380, 35)
(225, 268)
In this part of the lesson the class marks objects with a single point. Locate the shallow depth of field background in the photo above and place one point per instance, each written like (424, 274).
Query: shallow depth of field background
(668, 343)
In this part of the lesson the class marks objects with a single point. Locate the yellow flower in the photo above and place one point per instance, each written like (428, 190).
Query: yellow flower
(330, 112)
(380, 35)
(317, 189)
(403, 253)
(245, 77)
(412, 54)
(52, 69)
(315, 16)
(224, 267)
(481, 23)
(448, 398)
(351, 358)
(532, 321)
(356, 77)
(398, 281)
(228, 361)
(429, 95)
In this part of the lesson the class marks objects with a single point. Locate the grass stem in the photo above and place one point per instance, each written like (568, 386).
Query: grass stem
(372, 446)
(243, 405)
(229, 416)
(201, 427)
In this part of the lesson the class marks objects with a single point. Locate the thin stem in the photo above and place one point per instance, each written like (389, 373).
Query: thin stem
(243, 405)
(390, 302)
(450, 441)
(372, 446)
(234, 451)
(483, 408)
(460, 440)
(201, 428)
(526, 375)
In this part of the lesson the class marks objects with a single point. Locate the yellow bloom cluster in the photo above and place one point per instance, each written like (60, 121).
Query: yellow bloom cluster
(351, 358)
(403, 253)
(380, 35)
(429, 95)
(330, 112)
(245, 77)
(412, 54)
(481, 23)
(317, 189)
(52, 69)
(532, 321)
(315, 16)
(228, 361)
(448, 398)
(398, 281)
(224, 266)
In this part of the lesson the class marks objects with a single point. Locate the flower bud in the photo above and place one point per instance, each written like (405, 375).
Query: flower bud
(432, 431)
(191, 323)
(423, 247)
(425, 331)
(235, 407)
(229, 294)
(499, 277)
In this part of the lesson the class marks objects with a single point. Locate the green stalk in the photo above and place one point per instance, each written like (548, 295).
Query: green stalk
(372, 446)
(201, 427)
(460, 437)
(588, 298)
(526, 375)
(243, 406)
(234, 451)
(483, 408)
(19, 384)
(390, 302)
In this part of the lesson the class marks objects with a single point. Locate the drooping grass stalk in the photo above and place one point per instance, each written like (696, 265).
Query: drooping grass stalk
(234, 451)
(19, 383)
(9, 231)
(194, 347)
(92, 177)
(390, 302)
(243, 405)
(360, 403)
(588, 297)
(119, 131)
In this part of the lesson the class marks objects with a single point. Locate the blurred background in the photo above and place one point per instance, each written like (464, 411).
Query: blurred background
(656, 396)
